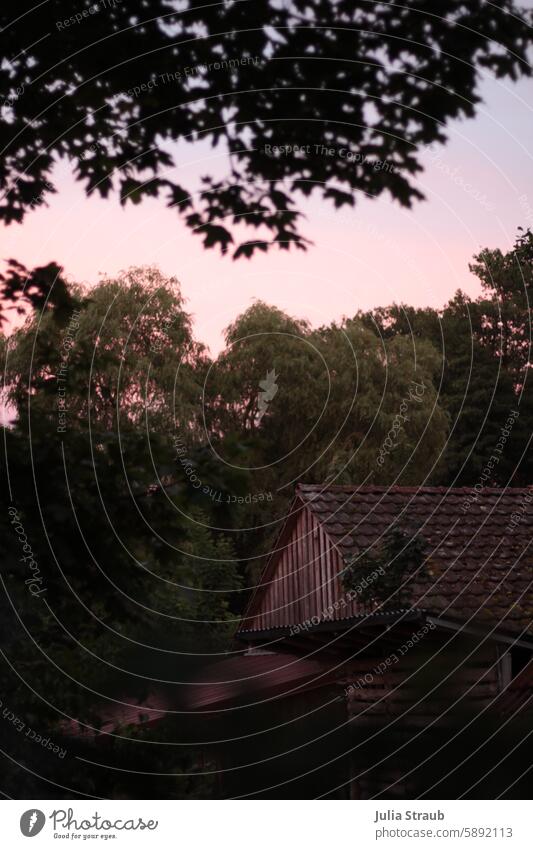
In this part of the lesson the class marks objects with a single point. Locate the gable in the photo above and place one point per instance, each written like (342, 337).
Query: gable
(301, 580)
(479, 544)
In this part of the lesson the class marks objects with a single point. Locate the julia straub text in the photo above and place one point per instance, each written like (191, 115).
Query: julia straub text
(391, 815)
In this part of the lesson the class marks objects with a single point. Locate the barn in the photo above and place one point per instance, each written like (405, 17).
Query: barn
(351, 686)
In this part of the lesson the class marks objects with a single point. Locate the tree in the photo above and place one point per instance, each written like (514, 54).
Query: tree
(43, 289)
(484, 358)
(106, 595)
(388, 424)
(504, 315)
(124, 356)
(481, 390)
(110, 576)
(332, 98)
(340, 397)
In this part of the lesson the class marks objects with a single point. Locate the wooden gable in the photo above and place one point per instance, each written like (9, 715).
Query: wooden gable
(300, 583)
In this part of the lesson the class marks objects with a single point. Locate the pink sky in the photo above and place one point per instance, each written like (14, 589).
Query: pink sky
(365, 257)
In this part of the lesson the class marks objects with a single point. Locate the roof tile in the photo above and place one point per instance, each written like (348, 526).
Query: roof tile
(482, 562)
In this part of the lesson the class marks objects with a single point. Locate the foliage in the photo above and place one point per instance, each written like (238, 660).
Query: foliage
(338, 391)
(43, 288)
(130, 340)
(482, 347)
(397, 559)
(503, 318)
(114, 92)
(132, 576)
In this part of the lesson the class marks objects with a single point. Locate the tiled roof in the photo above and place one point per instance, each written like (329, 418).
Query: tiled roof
(480, 544)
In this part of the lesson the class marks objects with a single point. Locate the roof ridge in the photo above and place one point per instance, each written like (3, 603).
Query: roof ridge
(364, 488)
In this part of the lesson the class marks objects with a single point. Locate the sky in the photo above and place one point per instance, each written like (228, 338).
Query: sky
(479, 189)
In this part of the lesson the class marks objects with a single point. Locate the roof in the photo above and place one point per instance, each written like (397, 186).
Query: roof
(257, 678)
(479, 543)
(252, 677)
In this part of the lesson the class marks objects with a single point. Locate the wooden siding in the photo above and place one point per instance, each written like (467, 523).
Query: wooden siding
(406, 690)
(301, 582)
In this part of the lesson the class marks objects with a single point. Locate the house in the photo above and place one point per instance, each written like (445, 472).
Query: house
(366, 688)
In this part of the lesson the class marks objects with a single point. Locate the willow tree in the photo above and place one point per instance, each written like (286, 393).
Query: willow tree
(124, 354)
(339, 397)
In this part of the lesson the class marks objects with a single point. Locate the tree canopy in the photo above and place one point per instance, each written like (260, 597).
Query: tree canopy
(129, 354)
(130, 586)
(484, 347)
(333, 97)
